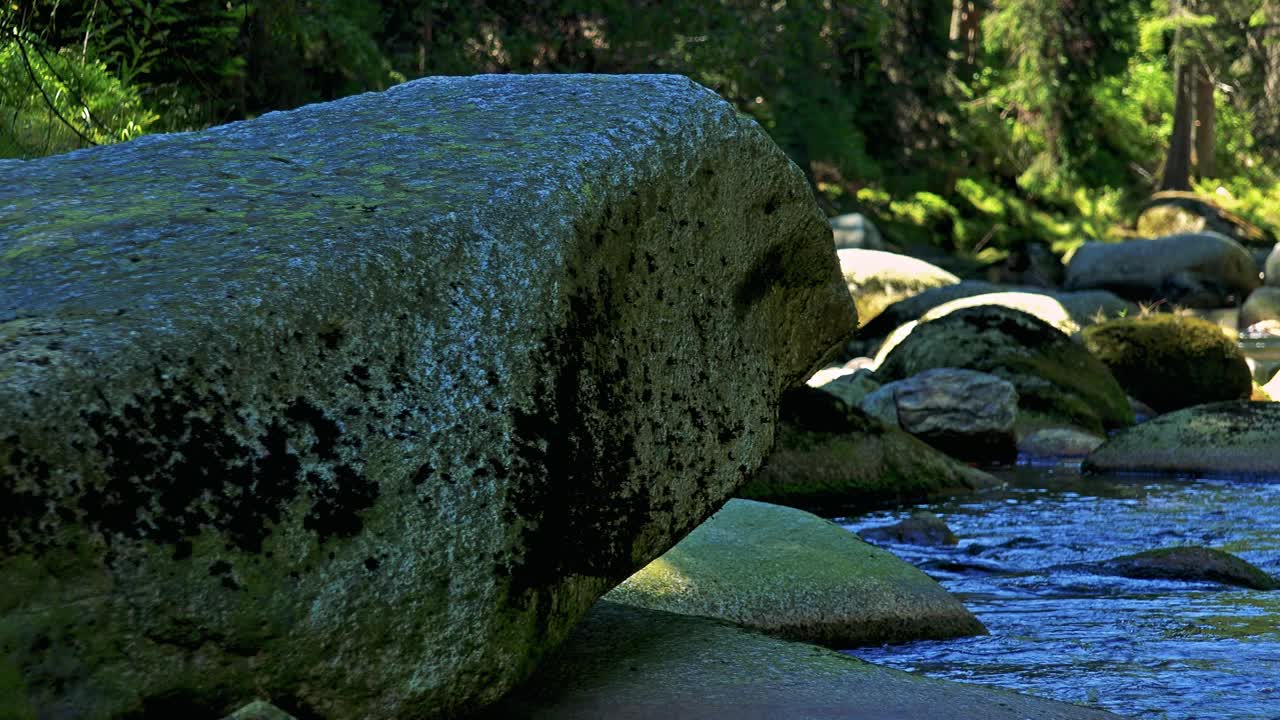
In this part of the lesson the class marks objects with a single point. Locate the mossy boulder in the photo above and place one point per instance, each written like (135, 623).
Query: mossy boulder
(797, 576)
(830, 458)
(877, 279)
(1058, 382)
(1171, 361)
(629, 662)
(364, 404)
(1190, 563)
(1227, 439)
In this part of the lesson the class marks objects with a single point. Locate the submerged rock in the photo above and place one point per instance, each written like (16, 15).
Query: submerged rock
(1054, 444)
(830, 457)
(1187, 564)
(1058, 382)
(1202, 270)
(1226, 439)
(964, 413)
(797, 576)
(629, 662)
(922, 528)
(1170, 361)
(365, 403)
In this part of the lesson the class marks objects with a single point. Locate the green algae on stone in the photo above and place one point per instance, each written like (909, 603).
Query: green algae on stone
(1057, 380)
(628, 662)
(797, 576)
(1227, 439)
(1171, 361)
(274, 424)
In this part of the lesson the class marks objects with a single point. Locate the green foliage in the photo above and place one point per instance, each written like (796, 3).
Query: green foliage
(55, 101)
(1053, 127)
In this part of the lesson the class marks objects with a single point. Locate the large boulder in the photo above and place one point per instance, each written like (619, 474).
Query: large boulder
(1058, 382)
(1171, 361)
(1194, 269)
(878, 279)
(364, 404)
(633, 663)
(797, 576)
(832, 458)
(1174, 211)
(964, 413)
(1226, 439)
(1068, 311)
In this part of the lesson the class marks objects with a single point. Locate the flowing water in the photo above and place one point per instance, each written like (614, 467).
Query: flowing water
(1148, 649)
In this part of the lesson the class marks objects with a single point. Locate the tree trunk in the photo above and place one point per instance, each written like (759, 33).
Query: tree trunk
(1178, 163)
(1205, 121)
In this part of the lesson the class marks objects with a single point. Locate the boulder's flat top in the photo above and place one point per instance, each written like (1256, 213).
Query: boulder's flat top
(172, 229)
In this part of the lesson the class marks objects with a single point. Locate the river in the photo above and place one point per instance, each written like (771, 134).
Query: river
(1146, 649)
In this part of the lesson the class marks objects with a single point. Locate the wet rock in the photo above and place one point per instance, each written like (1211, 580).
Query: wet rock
(856, 231)
(832, 458)
(964, 413)
(877, 279)
(628, 662)
(1188, 564)
(797, 576)
(1057, 444)
(1262, 305)
(1171, 362)
(1194, 270)
(365, 403)
(1227, 439)
(259, 710)
(1172, 212)
(922, 528)
(1058, 382)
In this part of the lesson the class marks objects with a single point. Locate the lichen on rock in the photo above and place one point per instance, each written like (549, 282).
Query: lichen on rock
(401, 382)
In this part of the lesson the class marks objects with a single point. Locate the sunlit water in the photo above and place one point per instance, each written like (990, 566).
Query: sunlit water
(1149, 649)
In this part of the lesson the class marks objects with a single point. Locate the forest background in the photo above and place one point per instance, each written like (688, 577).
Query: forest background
(973, 126)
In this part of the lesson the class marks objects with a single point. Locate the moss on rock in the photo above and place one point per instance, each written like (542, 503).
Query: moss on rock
(1226, 439)
(1057, 380)
(1171, 361)
(797, 576)
(851, 461)
(367, 402)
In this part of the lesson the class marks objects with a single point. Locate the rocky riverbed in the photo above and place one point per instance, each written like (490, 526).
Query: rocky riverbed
(1144, 648)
